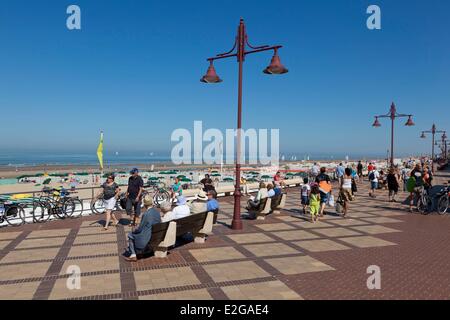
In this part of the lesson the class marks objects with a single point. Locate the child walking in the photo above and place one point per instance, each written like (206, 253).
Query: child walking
(306, 193)
(314, 203)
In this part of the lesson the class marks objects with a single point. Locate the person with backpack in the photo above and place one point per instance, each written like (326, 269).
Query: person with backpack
(110, 195)
(415, 185)
(325, 188)
(374, 175)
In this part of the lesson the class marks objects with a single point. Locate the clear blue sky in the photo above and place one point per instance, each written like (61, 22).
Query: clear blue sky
(134, 69)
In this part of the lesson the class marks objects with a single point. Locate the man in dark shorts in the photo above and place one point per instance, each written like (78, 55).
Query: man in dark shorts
(134, 192)
(360, 169)
(324, 182)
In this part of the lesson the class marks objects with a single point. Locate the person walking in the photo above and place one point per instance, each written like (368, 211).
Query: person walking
(346, 189)
(324, 182)
(111, 193)
(340, 171)
(134, 193)
(305, 194)
(314, 203)
(393, 184)
(360, 168)
(374, 175)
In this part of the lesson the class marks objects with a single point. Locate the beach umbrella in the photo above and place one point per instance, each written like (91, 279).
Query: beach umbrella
(47, 181)
(289, 174)
(186, 180)
(154, 178)
(228, 179)
(266, 177)
(216, 175)
(181, 176)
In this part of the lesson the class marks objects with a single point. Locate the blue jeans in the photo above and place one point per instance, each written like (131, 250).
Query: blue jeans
(131, 247)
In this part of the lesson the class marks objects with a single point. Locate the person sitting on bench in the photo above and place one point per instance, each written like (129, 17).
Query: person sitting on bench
(212, 205)
(198, 205)
(140, 237)
(166, 212)
(262, 194)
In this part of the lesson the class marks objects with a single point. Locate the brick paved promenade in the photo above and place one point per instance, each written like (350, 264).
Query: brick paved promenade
(283, 257)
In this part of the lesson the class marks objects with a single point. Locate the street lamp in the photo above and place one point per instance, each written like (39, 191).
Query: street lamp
(433, 131)
(239, 51)
(393, 115)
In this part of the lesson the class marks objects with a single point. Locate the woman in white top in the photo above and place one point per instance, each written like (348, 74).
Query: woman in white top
(346, 189)
(182, 210)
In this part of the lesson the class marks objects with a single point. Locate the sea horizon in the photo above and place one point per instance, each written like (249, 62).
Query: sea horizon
(30, 159)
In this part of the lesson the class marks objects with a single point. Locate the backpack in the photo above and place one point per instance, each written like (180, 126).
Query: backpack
(411, 184)
(372, 176)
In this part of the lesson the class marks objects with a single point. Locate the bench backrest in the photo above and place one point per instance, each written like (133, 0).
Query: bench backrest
(276, 201)
(158, 234)
(193, 223)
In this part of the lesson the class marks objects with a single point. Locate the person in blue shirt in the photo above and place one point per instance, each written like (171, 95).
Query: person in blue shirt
(277, 190)
(340, 170)
(212, 204)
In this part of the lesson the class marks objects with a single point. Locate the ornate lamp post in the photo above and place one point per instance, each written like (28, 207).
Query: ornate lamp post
(240, 51)
(433, 132)
(393, 115)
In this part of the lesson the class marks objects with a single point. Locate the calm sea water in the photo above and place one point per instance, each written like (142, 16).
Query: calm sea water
(33, 159)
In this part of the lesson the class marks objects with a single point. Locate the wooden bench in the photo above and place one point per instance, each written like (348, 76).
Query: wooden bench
(278, 203)
(264, 208)
(164, 235)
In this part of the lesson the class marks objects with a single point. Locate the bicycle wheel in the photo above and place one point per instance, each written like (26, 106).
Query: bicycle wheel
(161, 197)
(98, 206)
(68, 207)
(14, 215)
(41, 212)
(424, 205)
(78, 212)
(443, 204)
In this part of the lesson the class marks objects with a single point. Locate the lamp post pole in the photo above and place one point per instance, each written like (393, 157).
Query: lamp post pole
(433, 132)
(239, 51)
(393, 115)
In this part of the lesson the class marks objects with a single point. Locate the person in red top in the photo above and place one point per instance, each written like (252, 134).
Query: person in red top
(371, 167)
(278, 180)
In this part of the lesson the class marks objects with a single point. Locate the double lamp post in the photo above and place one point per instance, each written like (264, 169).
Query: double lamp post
(393, 115)
(240, 51)
(433, 132)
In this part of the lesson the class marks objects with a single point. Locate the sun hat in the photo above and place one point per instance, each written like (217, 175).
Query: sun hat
(181, 201)
(148, 201)
(202, 196)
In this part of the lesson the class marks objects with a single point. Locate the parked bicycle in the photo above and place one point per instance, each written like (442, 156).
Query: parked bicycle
(158, 192)
(425, 202)
(12, 213)
(56, 202)
(443, 200)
